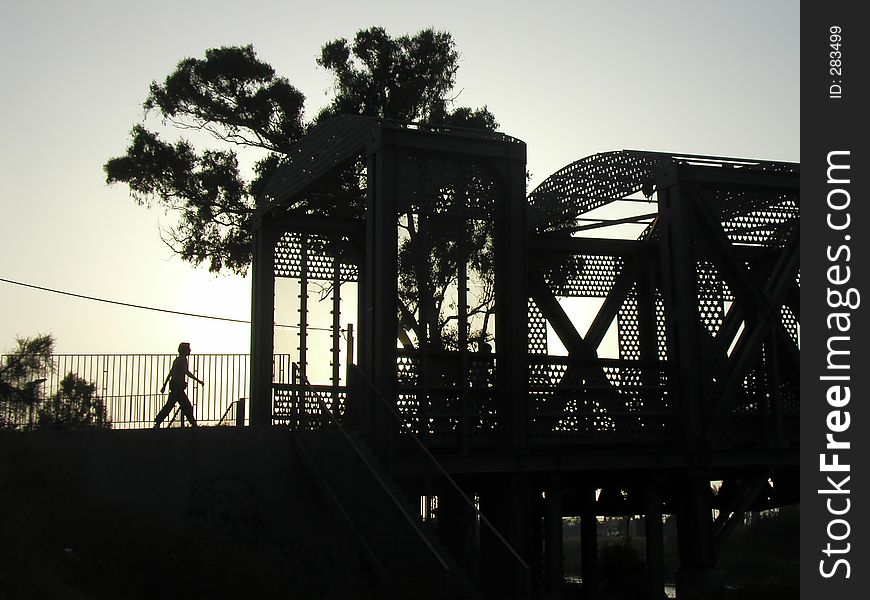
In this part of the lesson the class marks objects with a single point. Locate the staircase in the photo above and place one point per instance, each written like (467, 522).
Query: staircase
(403, 553)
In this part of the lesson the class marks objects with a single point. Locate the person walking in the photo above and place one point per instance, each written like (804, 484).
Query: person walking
(177, 380)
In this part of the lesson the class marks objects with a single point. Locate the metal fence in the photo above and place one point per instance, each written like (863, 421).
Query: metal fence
(129, 386)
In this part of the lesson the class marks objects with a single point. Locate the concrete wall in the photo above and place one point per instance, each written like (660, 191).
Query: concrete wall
(208, 512)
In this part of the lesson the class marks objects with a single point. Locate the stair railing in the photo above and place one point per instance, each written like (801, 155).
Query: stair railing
(406, 428)
(374, 472)
(232, 403)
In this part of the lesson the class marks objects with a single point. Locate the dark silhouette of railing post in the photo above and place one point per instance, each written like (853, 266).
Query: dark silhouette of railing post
(240, 412)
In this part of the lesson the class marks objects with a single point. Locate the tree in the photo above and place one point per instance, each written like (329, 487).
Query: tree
(74, 405)
(410, 79)
(242, 103)
(22, 404)
(21, 377)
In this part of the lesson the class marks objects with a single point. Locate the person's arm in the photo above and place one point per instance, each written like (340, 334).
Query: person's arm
(195, 378)
(163, 387)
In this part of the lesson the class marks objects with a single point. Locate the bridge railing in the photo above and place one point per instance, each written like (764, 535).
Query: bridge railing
(605, 400)
(569, 402)
(129, 386)
(450, 398)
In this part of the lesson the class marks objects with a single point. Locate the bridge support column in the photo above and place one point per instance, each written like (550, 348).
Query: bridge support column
(553, 542)
(456, 529)
(262, 323)
(697, 578)
(378, 324)
(655, 551)
(505, 503)
(589, 545)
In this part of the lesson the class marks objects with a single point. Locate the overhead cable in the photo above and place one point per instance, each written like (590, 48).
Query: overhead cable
(143, 307)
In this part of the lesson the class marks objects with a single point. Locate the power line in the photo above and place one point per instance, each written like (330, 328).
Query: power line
(143, 307)
(119, 303)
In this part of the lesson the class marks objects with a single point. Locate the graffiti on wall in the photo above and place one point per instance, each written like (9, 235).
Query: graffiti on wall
(230, 513)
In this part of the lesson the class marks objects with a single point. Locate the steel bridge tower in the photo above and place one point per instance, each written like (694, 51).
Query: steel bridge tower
(609, 344)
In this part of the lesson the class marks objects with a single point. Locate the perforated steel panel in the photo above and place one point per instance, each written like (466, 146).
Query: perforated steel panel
(661, 327)
(591, 276)
(756, 218)
(298, 405)
(587, 184)
(711, 307)
(608, 398)
(537, 329)
(751, 216)
(790, 322)
(320, 255)
(326, 146)
(437, 405)
(627, 327)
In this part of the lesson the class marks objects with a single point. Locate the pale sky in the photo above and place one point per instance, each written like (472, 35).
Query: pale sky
(570, 78)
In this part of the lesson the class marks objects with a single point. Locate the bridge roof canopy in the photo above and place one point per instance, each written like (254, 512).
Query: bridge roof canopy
(742, 185)
(337, 142)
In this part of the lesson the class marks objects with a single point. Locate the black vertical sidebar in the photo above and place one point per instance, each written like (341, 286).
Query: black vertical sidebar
(835, 300)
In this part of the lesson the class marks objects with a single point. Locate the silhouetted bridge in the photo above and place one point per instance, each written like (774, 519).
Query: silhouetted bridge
(472, 363)
(608, 344)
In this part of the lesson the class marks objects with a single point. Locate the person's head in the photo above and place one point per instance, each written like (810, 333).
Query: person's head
(184, 348)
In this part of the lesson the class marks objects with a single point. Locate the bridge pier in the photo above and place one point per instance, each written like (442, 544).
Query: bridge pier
(553, 543)
(505, 502)
(697, 578)
(589, 544)
(457, 529)
(655, 543)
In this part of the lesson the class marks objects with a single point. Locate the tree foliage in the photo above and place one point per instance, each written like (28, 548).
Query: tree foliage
(431, 249)
(74, 405)
(407, 78)
(20, 378)
(241, 102)
(23, 374)
(30, 357)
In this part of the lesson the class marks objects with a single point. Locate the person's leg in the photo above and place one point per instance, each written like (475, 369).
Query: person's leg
(164, 412)
(187, 408)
